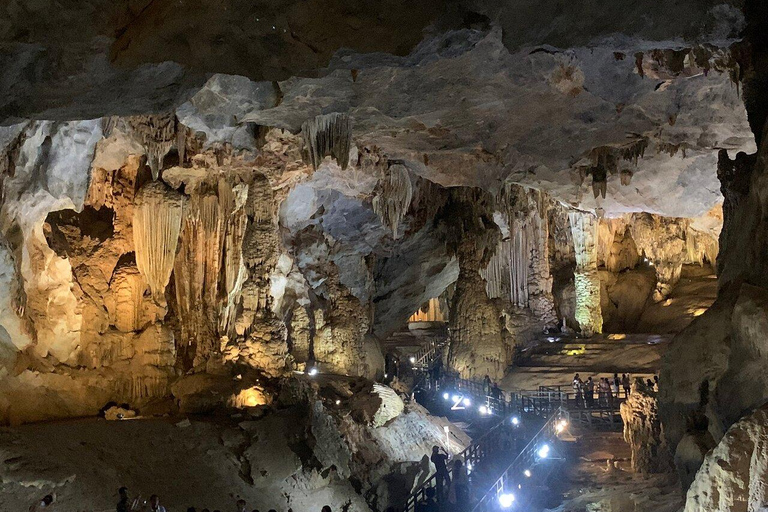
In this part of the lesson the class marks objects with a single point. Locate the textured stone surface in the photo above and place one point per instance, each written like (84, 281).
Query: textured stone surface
(643, 431)
(732, 476)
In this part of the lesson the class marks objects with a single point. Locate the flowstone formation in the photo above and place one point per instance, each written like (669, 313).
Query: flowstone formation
(643, 431)
(586, 280)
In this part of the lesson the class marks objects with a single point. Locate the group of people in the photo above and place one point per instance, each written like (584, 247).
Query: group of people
(607, 389)
(450, 485)
(492, 389)
(137, 504)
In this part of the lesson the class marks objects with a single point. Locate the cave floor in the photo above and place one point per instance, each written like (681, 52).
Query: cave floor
(553, 363)
(597, 475)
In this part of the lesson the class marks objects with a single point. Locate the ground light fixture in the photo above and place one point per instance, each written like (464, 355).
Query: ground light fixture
(561, 426)
(515, 420)
(467, 402)
(312, 372)
(446, 396)
(483, 410)
(412, 360)
(543, 451)
(506, 499)
(527, 473)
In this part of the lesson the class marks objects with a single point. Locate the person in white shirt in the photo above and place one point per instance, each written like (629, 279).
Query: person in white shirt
(154, 504)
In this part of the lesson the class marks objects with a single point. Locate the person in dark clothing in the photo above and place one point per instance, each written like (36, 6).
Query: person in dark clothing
(461, 485)
(428, 504)
(437, 369)
(124, 505)
(656, 381)
(487, 385)
(626, 384)
(589, 392)
(442, 478)
(326, 508)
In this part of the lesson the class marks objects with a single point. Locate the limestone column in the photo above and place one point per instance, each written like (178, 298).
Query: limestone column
(586, 279)
(540, 298)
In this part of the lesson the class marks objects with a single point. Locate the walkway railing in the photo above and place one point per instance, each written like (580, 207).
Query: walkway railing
(525, 460)
(473, 455)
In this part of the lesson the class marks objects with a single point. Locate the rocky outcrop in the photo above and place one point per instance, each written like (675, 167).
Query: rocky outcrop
(733, 474)
(643, 431)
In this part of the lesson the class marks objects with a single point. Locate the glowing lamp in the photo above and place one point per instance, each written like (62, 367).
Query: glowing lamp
(506, 500)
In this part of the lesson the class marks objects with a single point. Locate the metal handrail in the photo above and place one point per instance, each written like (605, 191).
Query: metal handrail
(472, 454)
(524, 458)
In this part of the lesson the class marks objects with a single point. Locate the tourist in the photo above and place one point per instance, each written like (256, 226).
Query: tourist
(436, 369)
(240, 505)
(497, 393)
(608, 392)
(578, 388)
(154, 504)
(326, 508)
(123, 505)
(602, 394)
(460, 485)
(442, 479)
(656, 382)
(589, 388)
(616, 384)
(46, 502)
(649, 383)
(428, 504)
(487, 385)
(626, 384)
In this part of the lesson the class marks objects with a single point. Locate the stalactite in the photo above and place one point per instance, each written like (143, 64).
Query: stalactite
(196, 271)
(393, 196)
(157, 218)
(328, 134)
(157, 133)
(625, 176)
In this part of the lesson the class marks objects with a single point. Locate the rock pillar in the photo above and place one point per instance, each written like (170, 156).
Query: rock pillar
(586, 279)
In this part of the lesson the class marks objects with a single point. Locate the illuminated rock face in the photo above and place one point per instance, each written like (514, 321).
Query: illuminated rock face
(199, 222)
(586, 279)
(732, 476)
(643, 431)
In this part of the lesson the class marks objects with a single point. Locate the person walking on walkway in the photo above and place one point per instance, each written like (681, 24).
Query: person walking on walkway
(460, 486)
(626, 384)
(602, 392)
(442, 478)
(616, 385)
(589, 390)
(578, 388)
(487, 385)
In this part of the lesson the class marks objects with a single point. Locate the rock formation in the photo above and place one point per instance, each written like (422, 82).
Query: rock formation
(586, 280)
(732, 475)
(643, 430)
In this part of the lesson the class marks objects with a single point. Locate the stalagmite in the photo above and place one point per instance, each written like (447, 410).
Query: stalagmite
(587, 281)
(156, 226)
(327, 134)
(393, 196)
(157, 133)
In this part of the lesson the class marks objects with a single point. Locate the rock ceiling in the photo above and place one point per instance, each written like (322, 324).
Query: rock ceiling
(463, 93)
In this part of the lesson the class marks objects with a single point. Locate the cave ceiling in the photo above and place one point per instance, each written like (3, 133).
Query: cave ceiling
(464, 93)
